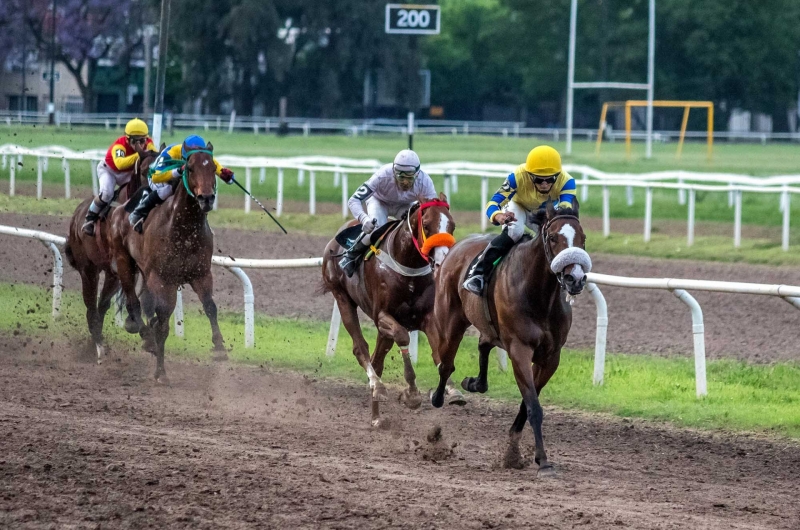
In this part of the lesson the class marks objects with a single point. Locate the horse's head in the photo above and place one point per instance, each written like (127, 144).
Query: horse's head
(564, 245)
(200, 177)
(432, 227)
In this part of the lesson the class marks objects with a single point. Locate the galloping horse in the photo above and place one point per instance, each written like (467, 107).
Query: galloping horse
(524, 310)
(90, 255)
(175, 249)
(395, 289)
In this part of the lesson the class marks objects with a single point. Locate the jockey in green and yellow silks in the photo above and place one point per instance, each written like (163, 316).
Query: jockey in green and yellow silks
(531, 186)
(168, 166)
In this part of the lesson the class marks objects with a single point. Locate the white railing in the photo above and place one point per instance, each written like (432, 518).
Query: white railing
(678, 287)
(52, 242)
(687, 184)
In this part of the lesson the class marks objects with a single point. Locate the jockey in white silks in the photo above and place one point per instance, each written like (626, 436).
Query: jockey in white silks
(390, 191)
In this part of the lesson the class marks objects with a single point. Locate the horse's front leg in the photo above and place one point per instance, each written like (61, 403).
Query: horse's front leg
(388, 327)
(164, 298)
(521, 356)
(349, 312)
(204, 287)
(110, 286)
(382, 346)
(480, 383)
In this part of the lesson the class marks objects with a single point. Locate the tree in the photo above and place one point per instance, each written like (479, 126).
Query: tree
(87, 31)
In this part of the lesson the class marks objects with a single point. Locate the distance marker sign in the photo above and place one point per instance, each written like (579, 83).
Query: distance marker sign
(413, 18)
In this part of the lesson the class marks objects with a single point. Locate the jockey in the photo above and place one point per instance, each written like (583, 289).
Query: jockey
(530, 187)
(117, 168)
(169, 165)
(390, 191)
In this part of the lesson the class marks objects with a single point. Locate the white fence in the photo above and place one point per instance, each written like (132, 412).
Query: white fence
(677, 286)
(686, 184)
(307, 126)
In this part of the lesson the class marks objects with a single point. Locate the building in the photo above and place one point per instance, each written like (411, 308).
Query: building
(36, 86)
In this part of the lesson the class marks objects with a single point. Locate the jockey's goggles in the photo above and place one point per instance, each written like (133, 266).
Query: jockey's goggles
(137, 139)
(406, 174)
(545, 180)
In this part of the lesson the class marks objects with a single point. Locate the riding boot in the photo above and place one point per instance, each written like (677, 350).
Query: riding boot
(349, 261)
(498, 247)
(140, 213)
(93, 215)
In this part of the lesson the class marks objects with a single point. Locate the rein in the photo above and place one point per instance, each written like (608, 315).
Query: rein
(434, 240)
(175, 164)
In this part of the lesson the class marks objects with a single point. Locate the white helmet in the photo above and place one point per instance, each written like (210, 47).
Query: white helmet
(406, 161)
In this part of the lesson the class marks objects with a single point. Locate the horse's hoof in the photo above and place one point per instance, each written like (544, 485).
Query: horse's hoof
(379, 393)
(162, 379)
(149, 346)
(546, 471)
(470, 384)
(101, 351)
(412, 400)
(131, 326)
(380, 423)
(454, 397)
(437, 399)
(219, 356)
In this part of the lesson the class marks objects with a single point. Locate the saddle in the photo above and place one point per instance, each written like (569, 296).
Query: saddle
(350, 235)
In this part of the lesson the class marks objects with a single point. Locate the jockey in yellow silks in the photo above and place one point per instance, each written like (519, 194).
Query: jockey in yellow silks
(531, 186)
(168, 166)
(116, 169)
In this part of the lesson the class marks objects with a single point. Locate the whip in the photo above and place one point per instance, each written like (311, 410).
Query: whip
(261, 205)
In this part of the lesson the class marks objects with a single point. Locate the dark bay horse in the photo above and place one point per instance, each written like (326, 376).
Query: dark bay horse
(90, 256)
(528, 314)
(395, 289)
(175, 249)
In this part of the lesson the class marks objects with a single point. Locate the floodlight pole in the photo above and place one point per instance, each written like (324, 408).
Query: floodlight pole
(161, 75)
(573, 21)
(651, 59)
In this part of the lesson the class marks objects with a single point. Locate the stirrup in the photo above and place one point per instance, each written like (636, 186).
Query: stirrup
(348, 265)
(474, 284)
(138, 226)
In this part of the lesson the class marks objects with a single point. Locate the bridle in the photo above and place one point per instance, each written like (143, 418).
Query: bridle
(185, 161)
(439, 239)
(546, 238)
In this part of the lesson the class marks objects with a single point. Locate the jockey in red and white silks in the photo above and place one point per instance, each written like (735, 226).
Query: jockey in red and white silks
(390, 191)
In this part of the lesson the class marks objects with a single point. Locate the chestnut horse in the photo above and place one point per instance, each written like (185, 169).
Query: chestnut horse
(524, 310)
(395, 288)
(175, 249)
(90, 255)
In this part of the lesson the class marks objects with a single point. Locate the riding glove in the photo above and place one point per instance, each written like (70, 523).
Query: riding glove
(226, 175)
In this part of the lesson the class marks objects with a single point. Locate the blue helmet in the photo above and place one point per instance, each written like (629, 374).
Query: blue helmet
(192, 142)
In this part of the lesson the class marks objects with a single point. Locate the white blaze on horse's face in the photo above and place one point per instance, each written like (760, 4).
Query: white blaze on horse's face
(439, 253)
(569, 234)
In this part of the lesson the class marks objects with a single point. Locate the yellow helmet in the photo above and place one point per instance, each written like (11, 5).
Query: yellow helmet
(136, 127)
(543, 160)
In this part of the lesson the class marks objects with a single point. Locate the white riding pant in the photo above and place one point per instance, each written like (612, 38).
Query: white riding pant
(523, 216)
(381, 212)
(164, 189)
(109, 179)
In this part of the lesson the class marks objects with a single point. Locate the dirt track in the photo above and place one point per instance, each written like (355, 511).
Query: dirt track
(236, 446)
(755, 328)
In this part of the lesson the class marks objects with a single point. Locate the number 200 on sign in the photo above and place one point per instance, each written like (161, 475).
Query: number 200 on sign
(412, 18)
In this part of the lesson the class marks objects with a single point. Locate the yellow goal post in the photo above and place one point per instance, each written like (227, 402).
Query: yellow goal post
(686, 105)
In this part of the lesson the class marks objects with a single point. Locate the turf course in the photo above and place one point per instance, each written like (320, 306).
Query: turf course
(740, 397)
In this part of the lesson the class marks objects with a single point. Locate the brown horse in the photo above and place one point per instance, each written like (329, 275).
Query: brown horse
(395, 289)
(524, 310)
(175, 249)
(90, 256)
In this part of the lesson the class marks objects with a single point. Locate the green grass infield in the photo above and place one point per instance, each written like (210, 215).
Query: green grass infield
(741, 397)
